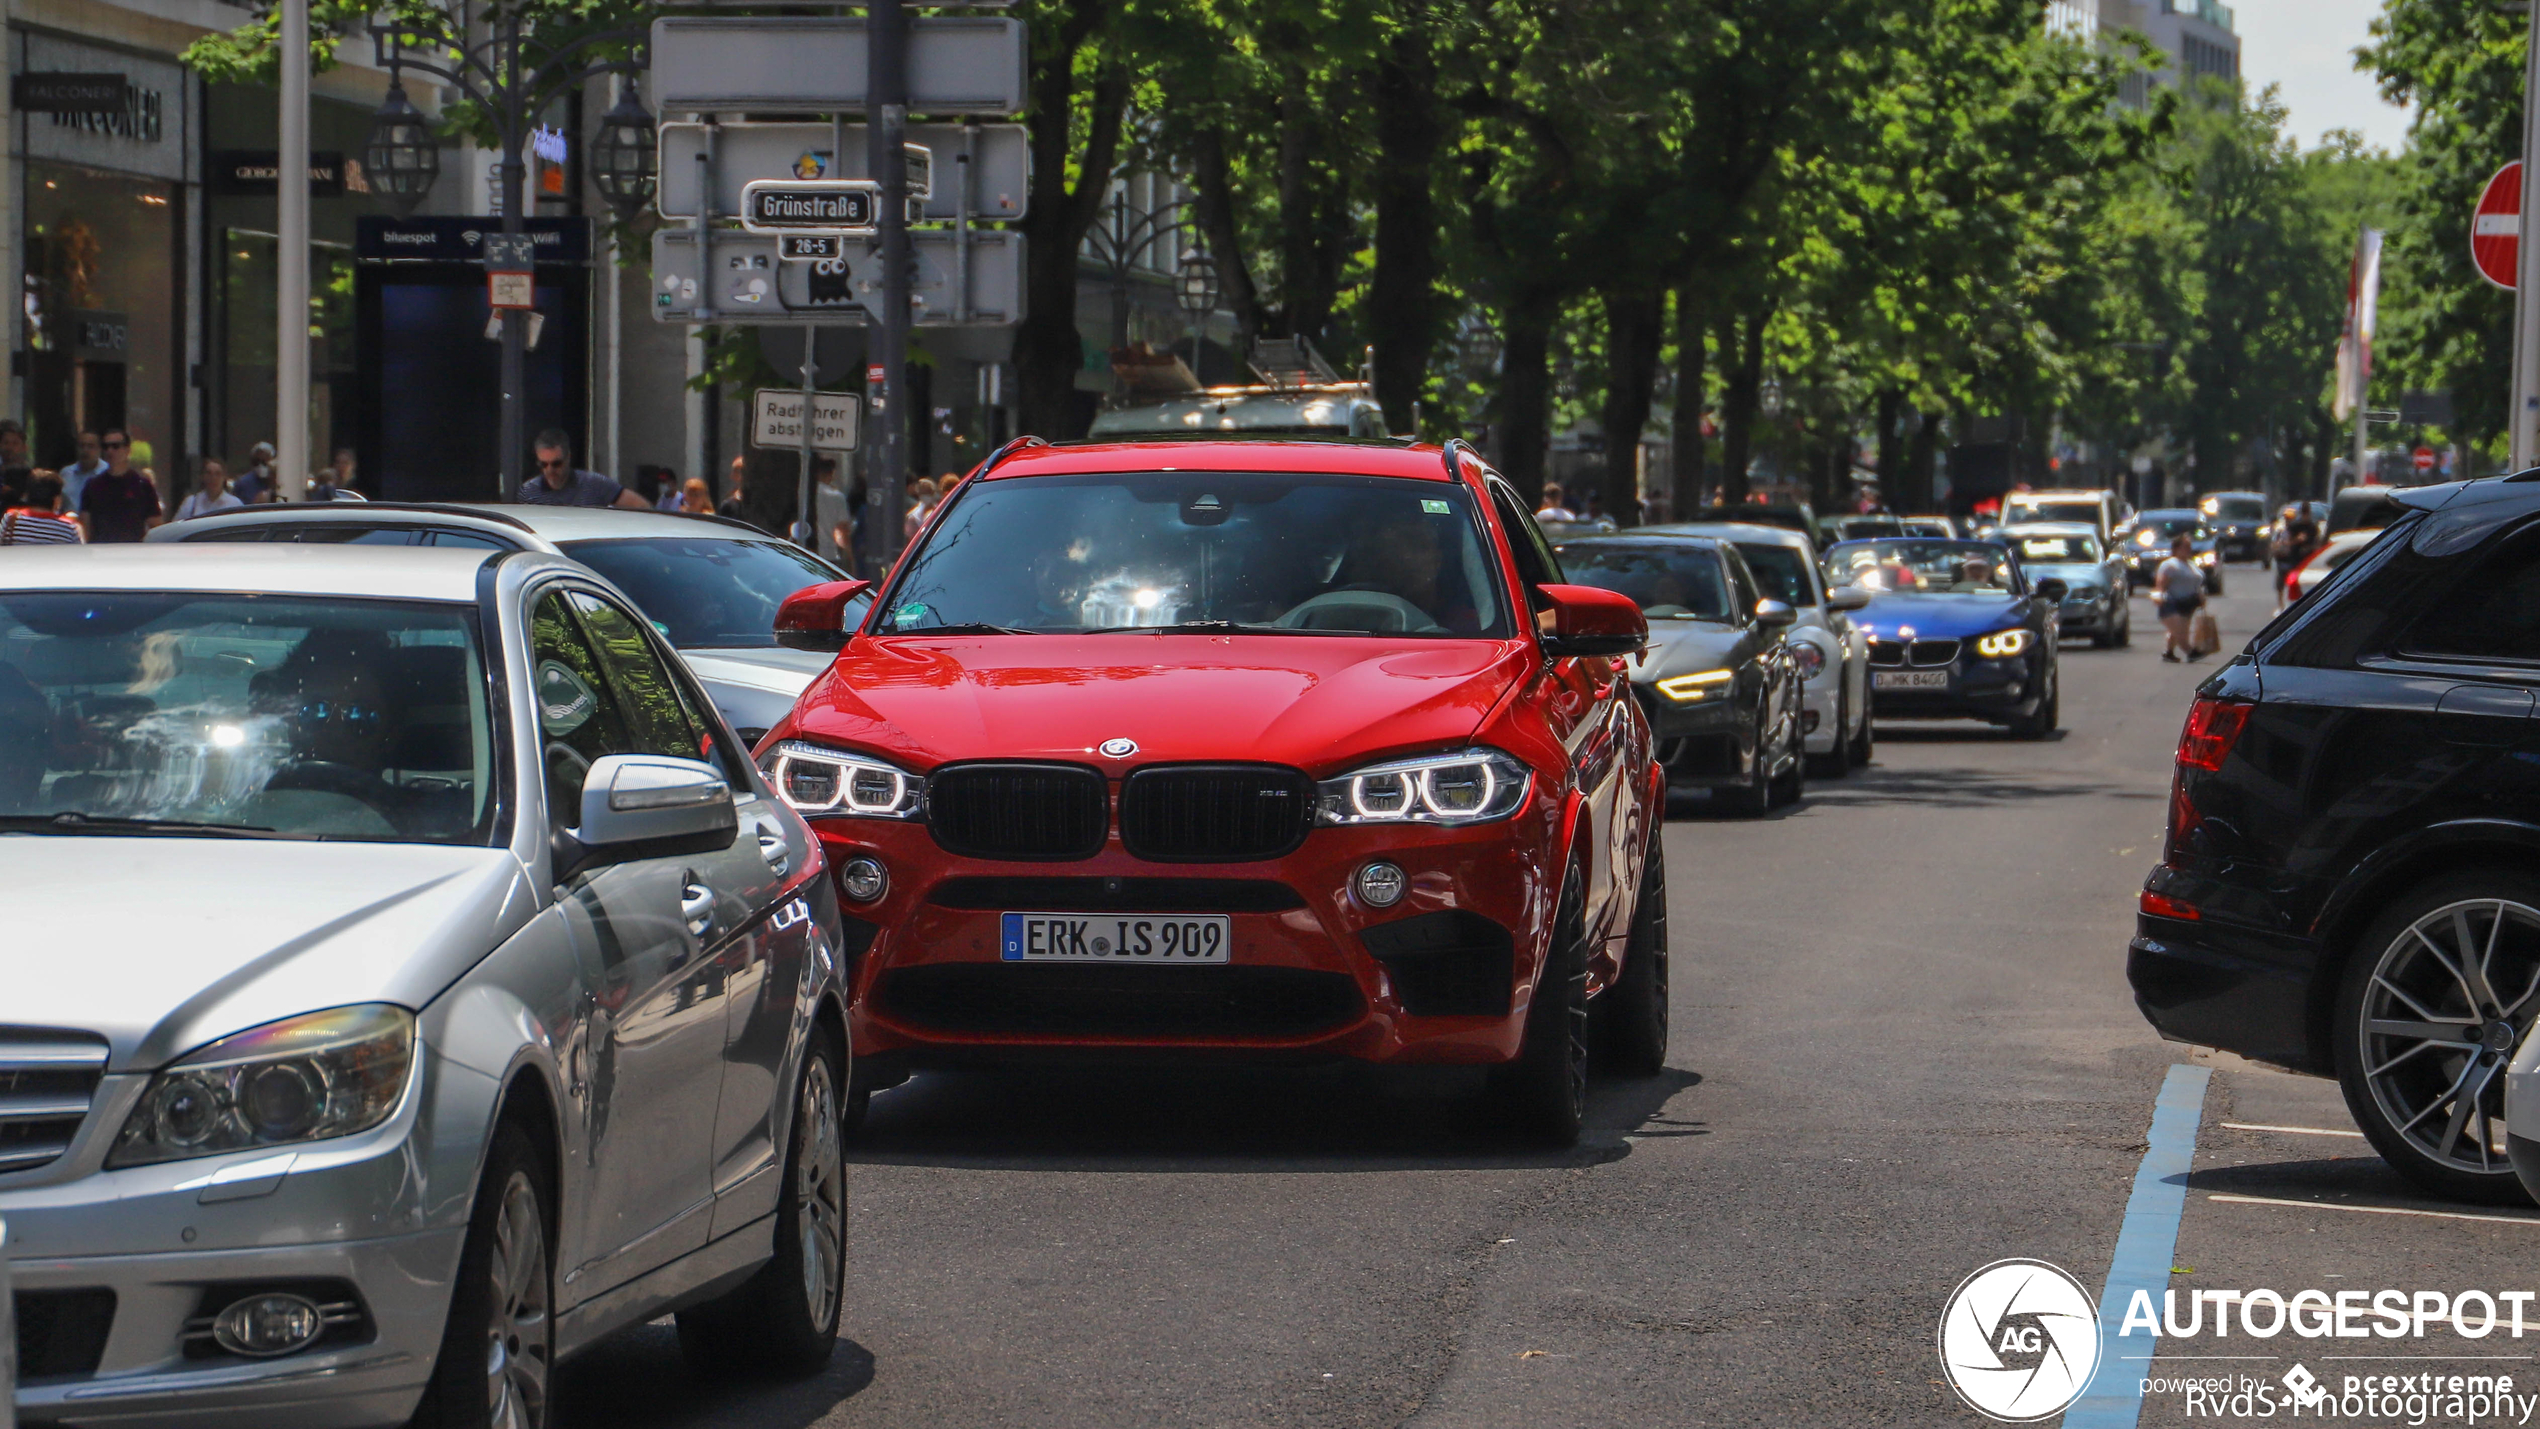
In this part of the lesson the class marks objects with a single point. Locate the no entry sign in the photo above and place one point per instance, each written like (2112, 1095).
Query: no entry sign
(2495, 231)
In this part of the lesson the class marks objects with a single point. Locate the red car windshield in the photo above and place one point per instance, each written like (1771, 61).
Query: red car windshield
(1266, 552)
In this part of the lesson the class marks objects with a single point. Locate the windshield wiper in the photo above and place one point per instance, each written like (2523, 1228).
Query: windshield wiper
(72, 821)
(1194, 627)
(966, 627)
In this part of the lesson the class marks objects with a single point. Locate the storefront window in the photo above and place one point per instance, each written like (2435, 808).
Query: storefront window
(101, 302)
(247, 261)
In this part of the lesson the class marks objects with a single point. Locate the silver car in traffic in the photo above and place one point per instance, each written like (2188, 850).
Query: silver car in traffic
(710, 585)
(415, 983)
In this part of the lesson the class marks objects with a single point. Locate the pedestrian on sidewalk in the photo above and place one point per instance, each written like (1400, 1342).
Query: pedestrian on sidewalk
(92, 462)
(36, 519)
(695, 499)
(2295, 541)
(2180, 589)
(120, 504)
(213, 494)
(256, 485)
(558, 483)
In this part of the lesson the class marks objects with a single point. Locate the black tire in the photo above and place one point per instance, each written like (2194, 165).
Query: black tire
(1542, 1094)
(1864, 744)
(2043, 720)
(496, 1368)
(1837, 760)
(2125, 621)
(1794, 781)
(784, 1320)
(1631, 1018)
(1750, 799)
(2418, 1109)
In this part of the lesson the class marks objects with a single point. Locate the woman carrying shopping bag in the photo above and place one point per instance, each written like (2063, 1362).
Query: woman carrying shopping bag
(2180, 589)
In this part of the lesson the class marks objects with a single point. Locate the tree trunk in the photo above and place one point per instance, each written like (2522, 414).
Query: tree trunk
(1891, 423)
(1296, 207)
(1744, 338)
(1525, 390)
(1633, 324)
(1692, 382)
(1402, 305)
(1922, 457)
(1213, 175)
(1047, 351)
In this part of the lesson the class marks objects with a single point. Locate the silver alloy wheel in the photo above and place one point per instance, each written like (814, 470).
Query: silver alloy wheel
(519, 1333)
(2442, 1015)
(820, 1194)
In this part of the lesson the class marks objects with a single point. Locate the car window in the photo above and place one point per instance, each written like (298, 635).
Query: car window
(2494, 614)
(1782, 572)
(1537, 562)
(471, 540)
(709, 592)
(1249, 552)
(230, 534)
(1672, 581)
(654, 710)
(338, 533)
(1742, 595)
(333, 718)
(1914, 566)
(2056, 550)
(578, 717)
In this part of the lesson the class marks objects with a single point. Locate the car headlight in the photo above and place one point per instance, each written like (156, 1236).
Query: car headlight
(2002, 643)
(816, 779)
(302, 1079)
(1812, 661)
(2204, 558)
(2146, 538)
(1469, 786)
(1697, 687)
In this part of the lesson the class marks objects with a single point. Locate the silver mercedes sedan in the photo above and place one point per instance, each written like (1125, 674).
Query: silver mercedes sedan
(414, 983)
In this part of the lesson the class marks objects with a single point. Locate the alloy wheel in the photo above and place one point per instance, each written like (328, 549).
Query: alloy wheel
(519, 1339)
(820, 1193)
(2446, 1007)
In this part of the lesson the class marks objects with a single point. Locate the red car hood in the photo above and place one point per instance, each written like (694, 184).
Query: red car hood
(1319, 703)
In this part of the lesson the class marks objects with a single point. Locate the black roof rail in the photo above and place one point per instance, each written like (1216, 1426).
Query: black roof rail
(1012, 446)
(1458, 444)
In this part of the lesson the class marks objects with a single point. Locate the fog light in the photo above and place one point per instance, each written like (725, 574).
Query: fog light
(262, 1326)
(863, 880)
(1380, 885)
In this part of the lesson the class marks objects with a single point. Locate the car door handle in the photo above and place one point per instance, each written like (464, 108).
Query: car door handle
(696, 907)
(771, 847)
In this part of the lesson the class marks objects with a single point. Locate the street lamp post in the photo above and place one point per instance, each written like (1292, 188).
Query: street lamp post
(1119, 243)
(291, 269)
(1195, 284)
(510, 75)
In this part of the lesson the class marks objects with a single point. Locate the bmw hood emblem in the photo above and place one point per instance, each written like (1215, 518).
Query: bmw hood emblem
(1119, 748)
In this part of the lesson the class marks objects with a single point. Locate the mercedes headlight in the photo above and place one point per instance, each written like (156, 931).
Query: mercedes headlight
(1469, 786)
(817, 779)
(1812, 661)
(2146, 538)
(2002, 643)
(302, 1079)
(1697, 687)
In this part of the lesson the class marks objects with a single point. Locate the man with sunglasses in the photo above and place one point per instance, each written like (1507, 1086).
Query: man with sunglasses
(119, 504)
(557, 483)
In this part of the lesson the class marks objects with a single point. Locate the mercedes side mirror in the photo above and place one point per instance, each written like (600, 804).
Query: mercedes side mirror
(646, 806)
(815, 617)
(1851, 597)
(1774, 614)
(2053, 590)
(1583, 620)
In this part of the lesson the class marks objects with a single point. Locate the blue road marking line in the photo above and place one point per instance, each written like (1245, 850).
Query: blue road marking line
(2146, 1245)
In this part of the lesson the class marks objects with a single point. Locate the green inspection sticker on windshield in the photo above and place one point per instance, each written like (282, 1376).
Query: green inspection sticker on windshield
(910, 613)
(1438, 508)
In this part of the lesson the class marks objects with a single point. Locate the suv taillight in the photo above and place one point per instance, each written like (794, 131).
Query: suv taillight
(2213, 726)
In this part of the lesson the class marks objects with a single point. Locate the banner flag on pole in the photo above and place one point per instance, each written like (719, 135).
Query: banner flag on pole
(2363, 311)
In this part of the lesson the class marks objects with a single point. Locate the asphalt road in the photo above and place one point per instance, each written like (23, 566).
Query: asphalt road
(1903, 1048)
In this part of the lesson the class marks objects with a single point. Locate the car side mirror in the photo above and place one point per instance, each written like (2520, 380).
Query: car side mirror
(2053, 589)
(646, 806)
(815, 617)
(1584, 620)
(1851, 597)
(1774, 614)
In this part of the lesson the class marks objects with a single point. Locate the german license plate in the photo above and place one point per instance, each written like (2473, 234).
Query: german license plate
(1909, 679)
(1184, 939)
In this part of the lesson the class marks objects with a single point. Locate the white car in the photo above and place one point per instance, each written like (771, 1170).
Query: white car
(1834, 657)
(710, 586)
(2341, 548)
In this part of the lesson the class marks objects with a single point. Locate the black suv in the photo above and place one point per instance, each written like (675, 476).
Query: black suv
(2351, 883)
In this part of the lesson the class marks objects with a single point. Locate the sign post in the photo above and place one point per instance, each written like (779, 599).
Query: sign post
(2525, 408)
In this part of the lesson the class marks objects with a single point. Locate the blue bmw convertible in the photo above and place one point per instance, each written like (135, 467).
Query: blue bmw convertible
(1957, 631)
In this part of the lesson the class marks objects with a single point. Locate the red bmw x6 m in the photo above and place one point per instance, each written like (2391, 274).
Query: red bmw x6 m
(1272, 750)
